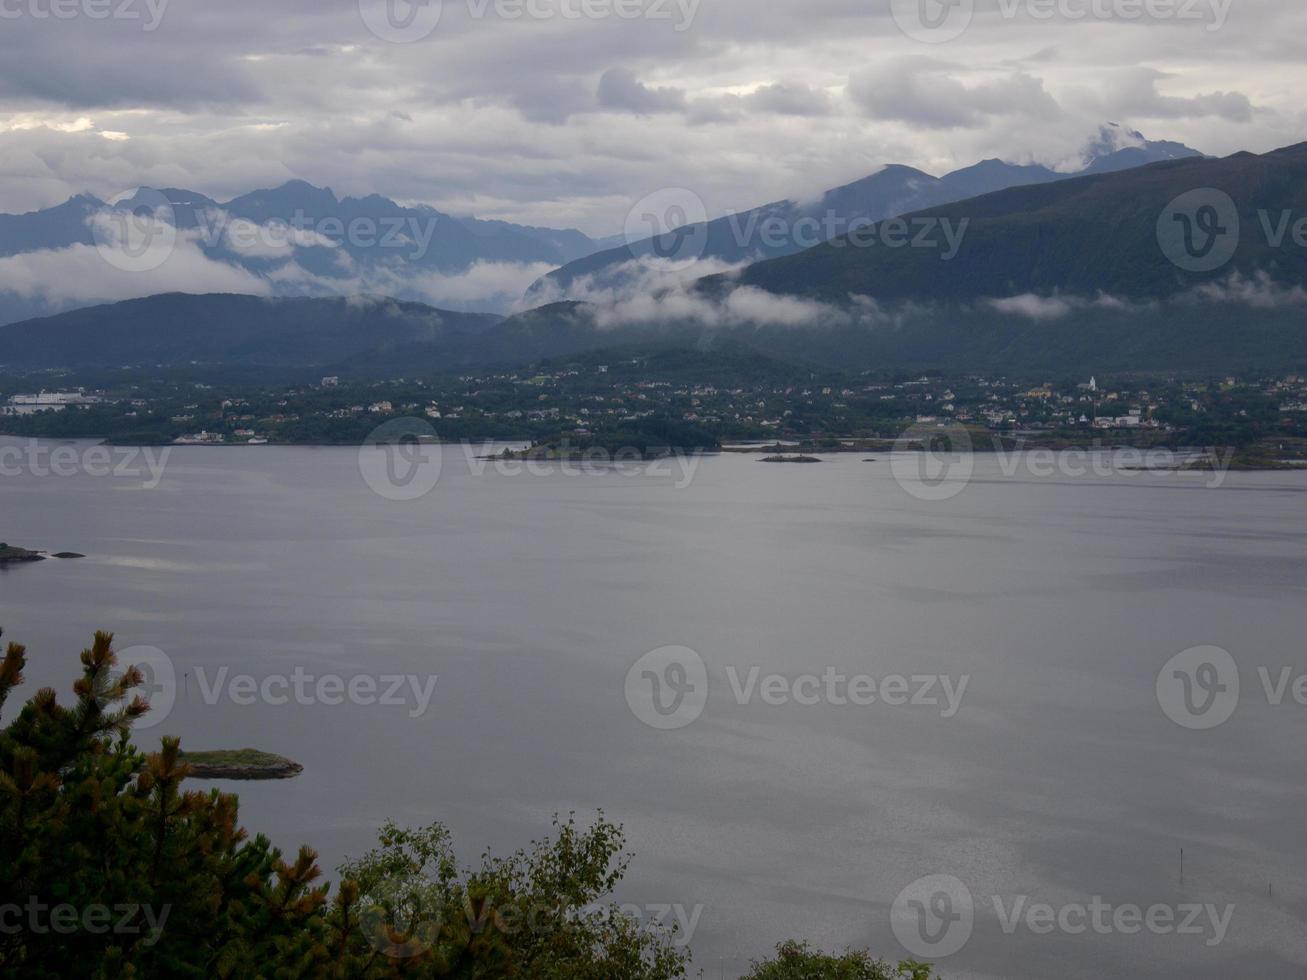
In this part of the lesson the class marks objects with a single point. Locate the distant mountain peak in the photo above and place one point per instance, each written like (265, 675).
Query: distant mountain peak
(1116, 147)
(1112, 137)
(297, 186)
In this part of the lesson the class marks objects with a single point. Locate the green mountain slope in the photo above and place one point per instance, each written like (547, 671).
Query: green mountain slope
(1090, 235)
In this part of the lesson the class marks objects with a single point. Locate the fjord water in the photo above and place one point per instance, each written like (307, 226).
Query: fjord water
(530, 596)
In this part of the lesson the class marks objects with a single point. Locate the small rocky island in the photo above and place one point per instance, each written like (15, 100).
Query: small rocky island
(791, 459)
(11, 555)
(244, 764)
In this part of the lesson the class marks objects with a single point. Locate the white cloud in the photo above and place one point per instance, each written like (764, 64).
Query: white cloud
(81, 276)
(1260, 292)
(1032, 307)
(487, 109)
(927, 93)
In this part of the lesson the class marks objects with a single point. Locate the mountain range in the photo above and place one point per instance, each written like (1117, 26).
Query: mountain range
(302, 240)
(1189, 263)
(1120, 235)
(893, 191)
(296, 239)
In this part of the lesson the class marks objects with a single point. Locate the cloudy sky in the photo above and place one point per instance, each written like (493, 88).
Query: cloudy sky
(564, 112)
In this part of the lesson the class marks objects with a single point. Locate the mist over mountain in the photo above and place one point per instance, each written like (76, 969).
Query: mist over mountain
(293, 240)
(224, 331)
(1185, 264)
(787, 227)
(1119, 234)
(301, 240)
(1190, 263)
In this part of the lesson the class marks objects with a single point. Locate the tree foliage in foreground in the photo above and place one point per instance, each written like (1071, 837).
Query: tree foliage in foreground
(798, 961)
(109, 868)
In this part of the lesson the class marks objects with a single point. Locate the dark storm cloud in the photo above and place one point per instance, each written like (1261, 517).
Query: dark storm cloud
(619, 89)
(566, 121)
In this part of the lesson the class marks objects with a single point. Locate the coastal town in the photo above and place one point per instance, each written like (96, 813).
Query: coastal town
(735, 399)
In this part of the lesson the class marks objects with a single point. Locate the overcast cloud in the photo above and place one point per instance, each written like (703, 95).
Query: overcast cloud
(567, 120)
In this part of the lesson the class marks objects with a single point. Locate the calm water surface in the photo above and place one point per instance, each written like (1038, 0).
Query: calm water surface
(530, 598)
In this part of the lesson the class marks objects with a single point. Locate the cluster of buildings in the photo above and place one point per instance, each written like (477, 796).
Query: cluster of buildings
(47, 401)
(748, 402)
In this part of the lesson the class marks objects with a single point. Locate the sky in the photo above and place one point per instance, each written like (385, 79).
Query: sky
(565, 112)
